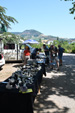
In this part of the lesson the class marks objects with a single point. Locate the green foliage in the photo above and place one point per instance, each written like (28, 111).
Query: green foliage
(4, 19)
(72, 10)
(40, 40)
(10, 38)
(69, 48)
(37, 45)
(73, 51)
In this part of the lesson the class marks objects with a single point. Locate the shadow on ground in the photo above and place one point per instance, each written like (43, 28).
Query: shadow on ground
(18, 65)
(57, 85)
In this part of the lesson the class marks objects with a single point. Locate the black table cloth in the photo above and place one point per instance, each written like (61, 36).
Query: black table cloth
(11, 101)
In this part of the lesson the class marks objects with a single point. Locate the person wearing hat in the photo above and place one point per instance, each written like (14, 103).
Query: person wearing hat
(26, 55)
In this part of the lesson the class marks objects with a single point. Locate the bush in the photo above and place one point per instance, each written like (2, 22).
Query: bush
(73, 51)
(66, 51)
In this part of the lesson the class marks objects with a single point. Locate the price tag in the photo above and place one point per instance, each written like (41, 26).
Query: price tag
(28, 91)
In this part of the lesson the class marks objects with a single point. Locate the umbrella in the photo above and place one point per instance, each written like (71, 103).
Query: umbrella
(30, 41)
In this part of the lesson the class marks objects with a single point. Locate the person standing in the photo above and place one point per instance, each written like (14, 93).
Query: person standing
(26, 55)
(46, 50)
(60, 54)
(53, 51)
(34, 53)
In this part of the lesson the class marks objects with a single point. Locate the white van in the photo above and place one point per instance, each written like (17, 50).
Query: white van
(12, 51)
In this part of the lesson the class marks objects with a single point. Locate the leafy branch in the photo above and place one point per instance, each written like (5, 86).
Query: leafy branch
(4, 19)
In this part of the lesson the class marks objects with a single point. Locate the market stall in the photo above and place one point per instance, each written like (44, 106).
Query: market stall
(17, 93)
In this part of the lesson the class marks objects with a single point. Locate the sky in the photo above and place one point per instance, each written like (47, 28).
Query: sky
(50, 17)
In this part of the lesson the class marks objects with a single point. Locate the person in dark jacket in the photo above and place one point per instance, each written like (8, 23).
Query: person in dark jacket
(46, 50)
(34, 53)
(60, 54)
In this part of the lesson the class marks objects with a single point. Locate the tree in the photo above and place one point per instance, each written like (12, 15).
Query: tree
(57, 38)
(4, 19)
(72, 10)
(8, 37)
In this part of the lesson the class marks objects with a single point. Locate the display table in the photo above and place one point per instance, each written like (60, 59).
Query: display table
(11, 101)
(16, 102)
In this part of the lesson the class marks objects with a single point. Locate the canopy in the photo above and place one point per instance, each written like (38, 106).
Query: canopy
(30, 41)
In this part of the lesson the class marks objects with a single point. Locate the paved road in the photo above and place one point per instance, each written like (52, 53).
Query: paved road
(8, 69)
(58, 89)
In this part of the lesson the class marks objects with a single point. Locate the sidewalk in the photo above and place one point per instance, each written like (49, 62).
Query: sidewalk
(58, 89)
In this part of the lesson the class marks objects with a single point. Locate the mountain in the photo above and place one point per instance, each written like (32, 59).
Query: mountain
(31, 33)
(28, 33)
(34, 34)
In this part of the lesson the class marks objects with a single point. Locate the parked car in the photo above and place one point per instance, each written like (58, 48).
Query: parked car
(2, 60)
